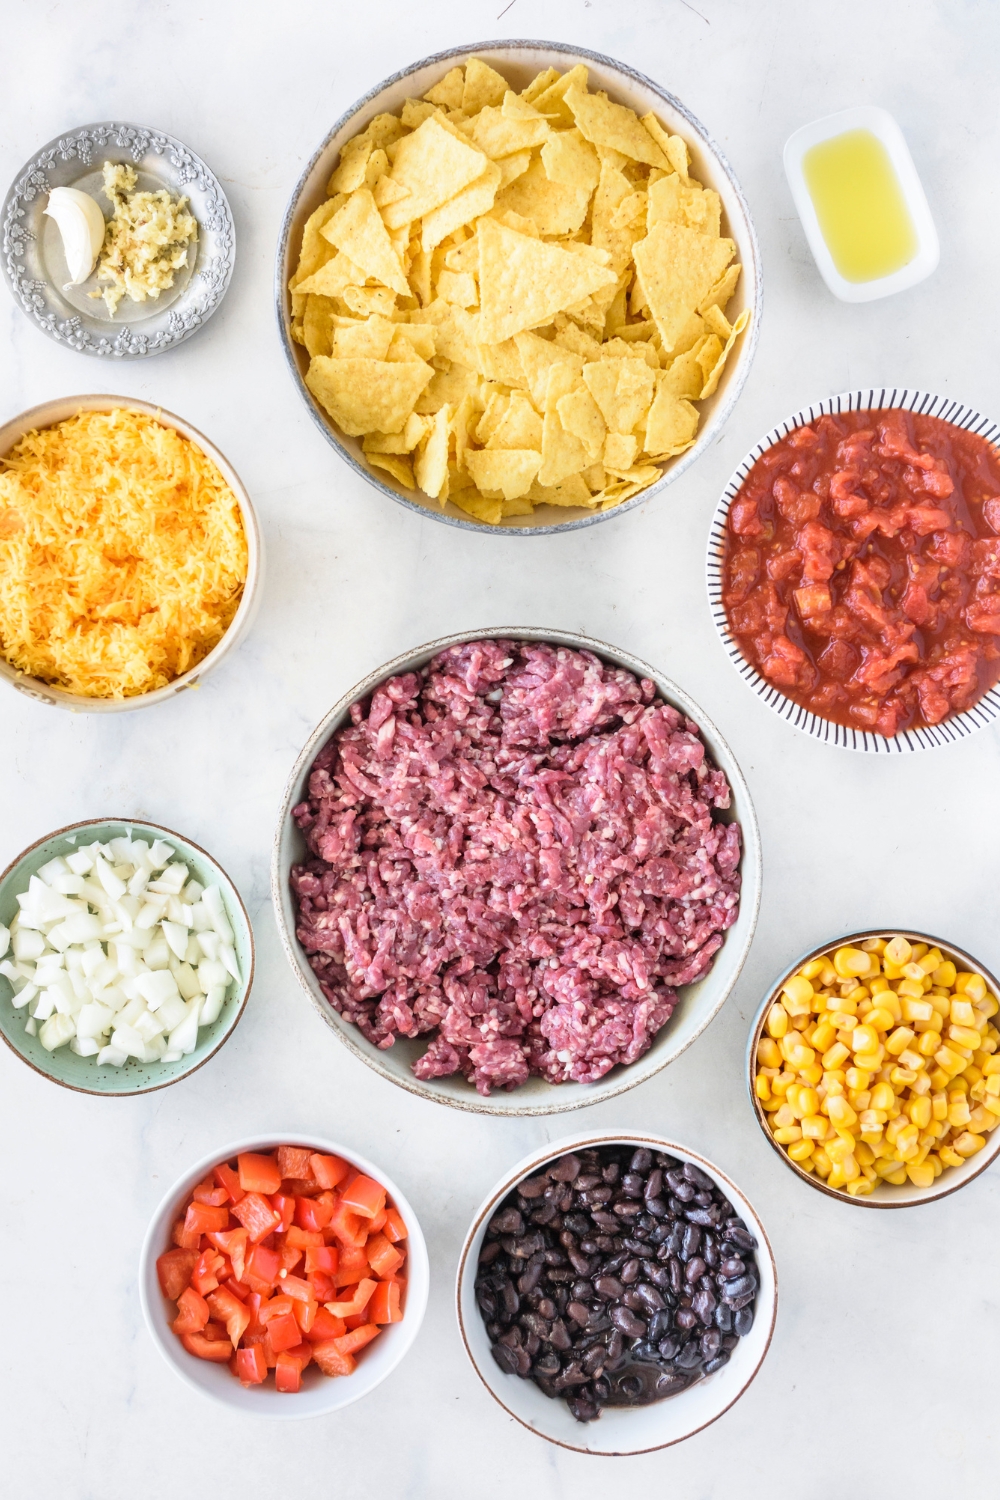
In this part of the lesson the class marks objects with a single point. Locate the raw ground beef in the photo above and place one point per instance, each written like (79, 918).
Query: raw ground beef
(517, 852)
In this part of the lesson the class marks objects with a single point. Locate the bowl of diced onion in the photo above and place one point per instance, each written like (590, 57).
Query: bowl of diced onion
(873, 1067)
(126, 956)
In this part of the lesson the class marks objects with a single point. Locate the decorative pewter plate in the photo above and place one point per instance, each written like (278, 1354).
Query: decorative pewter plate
(35, 267)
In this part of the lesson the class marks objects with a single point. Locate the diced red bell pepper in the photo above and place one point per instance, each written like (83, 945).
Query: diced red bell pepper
(357, 1320)
(357, 1303)
(328, 1170)
(209, 1192)
(384, 1305)
(258, 1174)
(322, 1258)
(256, 1215)
(353, 1267)
(238, 1288)
(284, 1332)
(383, 1257)
(326, 1326)
(230, 1180)
(363, 1196)
(214, 1330)
(232, 1242)
(262, 1267)
(174, 1269)
(293, 1161)
(192, 1312)
(324, 1288)
(357, 1338)
(302, 1354)
(375, 1225)
(331, 1358)
(314, 1213)
(284, 1206)
(184, 1238)
(303, 1239)
(287, 1374)
(202, 1218)
(348, 1227)
(205, 1276)
(294, 1286)
(255, 1326)
(290, 1258)
(219, 1351)
(231, 1311)
(276, 1307)
(305, 1314)
(394, 1228)
(251, 1368)
(301, 1187)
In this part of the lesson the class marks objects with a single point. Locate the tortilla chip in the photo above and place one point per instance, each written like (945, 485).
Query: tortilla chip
(431, 466)
(455, 332)
(670, 202)
(671, 420)
(386, 191)
(563, 453)
(367, 340)
(613, 189)
(519, 427)
(712, 380)
(673, 147)
(716, 322)
(692, 333)
(449, 91)
(571, 492)
(684, 376)
(496, 402)
(722, 290)
(623, 389)
(707, 353)
(421, 339)
(554, 208)
(317, 325)
(483, 87)
(400, 468)
(570, 336)
(524, 282)
(433, 165)
(508, 470)
(358, 231)
(511, 220)
(447, 388)
(458, 288)
(676, 267)
(363, 301)
(316, 251)
(367, 395)
(332, 279)
(415, 111)
(469, 204)
(620, 449)
(607, 124)
(521, 507)
(571, 161)
(552, 101)
(398, 442)
(490, 511)
(537, 357)
(513, 167)
(500, 132)
(580, 415)
(350, 171)
(539, 84)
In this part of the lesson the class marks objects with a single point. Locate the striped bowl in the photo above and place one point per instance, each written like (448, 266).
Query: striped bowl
(951, 730)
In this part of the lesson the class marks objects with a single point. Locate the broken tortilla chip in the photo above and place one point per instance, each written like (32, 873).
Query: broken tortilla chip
(676, 266)
(358, 231)
(523, 282)
(606, 124)
(433, 166)
(367, 395)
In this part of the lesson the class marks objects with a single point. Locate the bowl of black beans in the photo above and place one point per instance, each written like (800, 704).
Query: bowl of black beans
(616, 1294)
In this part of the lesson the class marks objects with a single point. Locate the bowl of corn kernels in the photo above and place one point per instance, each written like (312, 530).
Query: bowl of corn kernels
(874, 1068)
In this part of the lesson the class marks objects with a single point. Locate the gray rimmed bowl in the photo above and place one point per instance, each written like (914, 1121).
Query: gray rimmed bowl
(81, 1073)
(951, 730)
(519, 61)
(886, 1195)
(620, 1431)
(697, 1004)
(48, 415)
(35, 267)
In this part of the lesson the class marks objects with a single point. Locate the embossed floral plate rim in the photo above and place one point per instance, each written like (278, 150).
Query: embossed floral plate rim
(41, 301)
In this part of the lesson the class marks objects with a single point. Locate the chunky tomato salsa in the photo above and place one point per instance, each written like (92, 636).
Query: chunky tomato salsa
(861, 572)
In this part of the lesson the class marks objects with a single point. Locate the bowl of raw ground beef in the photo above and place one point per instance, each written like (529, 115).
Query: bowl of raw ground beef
(517, 871)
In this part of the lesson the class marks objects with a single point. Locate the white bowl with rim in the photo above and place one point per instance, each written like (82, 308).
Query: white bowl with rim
(697, 1003)
(49, 414)
(320, 1394)
(619, 1431)
(895, 398)
(519, 61)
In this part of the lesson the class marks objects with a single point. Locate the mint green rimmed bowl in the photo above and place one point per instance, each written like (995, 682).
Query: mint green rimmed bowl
(81, 1073)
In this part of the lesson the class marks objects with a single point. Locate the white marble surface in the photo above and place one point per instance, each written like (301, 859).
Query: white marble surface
(880, 1378)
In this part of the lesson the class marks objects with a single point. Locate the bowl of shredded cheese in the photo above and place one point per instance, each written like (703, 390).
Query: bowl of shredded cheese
(130, 554)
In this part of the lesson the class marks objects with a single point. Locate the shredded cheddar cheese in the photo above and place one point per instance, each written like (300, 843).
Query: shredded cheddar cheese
(122, 554)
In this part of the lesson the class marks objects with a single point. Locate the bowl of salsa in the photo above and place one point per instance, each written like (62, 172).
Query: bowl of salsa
(854, 570)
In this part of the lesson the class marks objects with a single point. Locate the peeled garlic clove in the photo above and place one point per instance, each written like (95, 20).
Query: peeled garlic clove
(81, 225)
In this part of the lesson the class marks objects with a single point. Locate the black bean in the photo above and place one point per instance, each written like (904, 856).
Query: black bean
(743, 1321)
(608, 1287)
(605, 1221)
(611, 1172)
(703, 1200)
(723, 1317)
(645, 1352)
(657, 1207)
(627, 1321)
(507, 1221)
(736, 1303)
(631, 1298)
(532, 1276)
(584, 1407)
(738, 1287)
(559, 1275)
(650, 1296)
(506, 1358)
(633, 1184)
(641, 1161)
(704, 1304)
(711, 1343)
(659, 1324)
(544, 1215)
(703, 1216)
(631, 1271)
(720, 1359)
(640, 1248)
(685, 1317)
(690, 1242)
(604, 1243)
(593, 1360)
(709, 1249)
(489, 1252)
(654, 1183)
(582, 1290)
(679, 1187)
(510, 1300)
(742, 1238)
(559, 1337)
(676, 1275)
(669, 1347)
(732, 1266)
(579, 1312)
(546, 1308)
(566, 1169)
(694, 1269)
(581, 1263)
(689, 1356)
(532, 1187)
(547, 1364)
(627, 1209)
(524, 1246)
(696, 1175)
(572, 1374)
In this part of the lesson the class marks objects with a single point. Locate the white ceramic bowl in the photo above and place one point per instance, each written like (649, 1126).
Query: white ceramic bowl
(951, 730)
(618, 1431)
(697, 1004)
(47, 415)
(886, 1195)
(519, 61)
(320, 1394)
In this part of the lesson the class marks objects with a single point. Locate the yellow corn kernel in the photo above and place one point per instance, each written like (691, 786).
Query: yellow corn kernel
(990, 1065)
(836, 1178)
(903, 1077)
(785, 1115)
(958, 1114)
(822, 1036)
(859, 1188)
(811, 1075)
(921, 1175)
(807, 1103)
(913, 971)
(939, 1079)
(883, 1096)
(800, 1150)
(975, 988)
(796, 995)
(911, 988)
(768, 1052)
(840, 1111)
(939, 1105)
(864, 1155)
(921, 1084)
(967, 1144)
(991, 1081)
(899, 1040)
(782, 1083)
(850, 962)
(849, 1167)
(801, 1023)
(961, 980)
(786, 1134)
(813, 968)
(992, 1103)
(962, 1012)
(972, 1074)
(864, 1039)
(821, 1162)
(857, 1078)
(869, 1062)
(801, 1056)
(837, 1149)
(873, 945)
(898, 951)
(915, 1010)
(950, 1157)
(949, 1061)
(908, 1058)
(762, 1087)
(890, 970)
(940, 1003)
(878, 1018)
(945, 974)
(930, 960)
(879, 986)
(859, 1099)
(965, 1036)
(988, 1005)
(919, 1111)
(834, 1056)
(898, 1177)
(777, 1021)
(814, 1126)
(929, 1043)
(979, 1119)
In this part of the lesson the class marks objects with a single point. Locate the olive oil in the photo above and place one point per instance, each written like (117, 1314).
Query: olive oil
(862, 212)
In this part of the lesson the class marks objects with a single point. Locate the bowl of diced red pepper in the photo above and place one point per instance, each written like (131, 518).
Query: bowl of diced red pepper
(284, 1279)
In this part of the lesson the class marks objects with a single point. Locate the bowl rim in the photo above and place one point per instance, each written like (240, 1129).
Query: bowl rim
(904, 1197)
(61, 409)
(745, 354)
(169, 833)
(751, 863)
(874, 398)
(549, 1152)
(158, 1328)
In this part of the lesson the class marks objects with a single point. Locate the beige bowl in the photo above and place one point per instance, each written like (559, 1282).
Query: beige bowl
(519, 61)
(52, 412)
(697, 1004)
(886, 1195)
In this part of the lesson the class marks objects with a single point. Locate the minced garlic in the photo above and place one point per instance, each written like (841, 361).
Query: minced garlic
(146, 241)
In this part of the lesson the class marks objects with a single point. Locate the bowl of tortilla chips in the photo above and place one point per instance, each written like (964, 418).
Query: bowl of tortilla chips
(519, 287)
